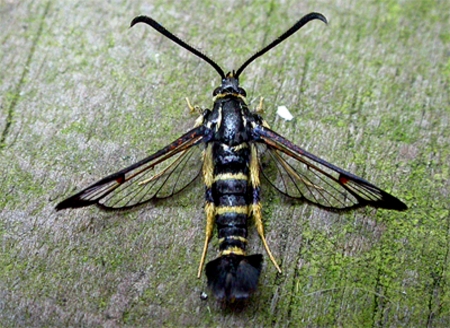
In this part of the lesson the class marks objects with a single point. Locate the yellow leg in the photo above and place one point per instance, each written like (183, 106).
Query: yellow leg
(256, 206)
(256, 209)
(209, 209)
(193, 109)
(199, 121)
(260, 108)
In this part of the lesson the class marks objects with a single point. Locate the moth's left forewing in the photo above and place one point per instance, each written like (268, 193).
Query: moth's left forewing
(159, 176)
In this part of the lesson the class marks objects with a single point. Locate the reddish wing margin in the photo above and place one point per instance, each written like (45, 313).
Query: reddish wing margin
(158, 176)
(304, 176)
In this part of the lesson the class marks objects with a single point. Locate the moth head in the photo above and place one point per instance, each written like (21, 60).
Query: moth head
(230, 85)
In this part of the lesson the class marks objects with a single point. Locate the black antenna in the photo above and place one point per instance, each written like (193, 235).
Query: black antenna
(163, 31)
(305, 19)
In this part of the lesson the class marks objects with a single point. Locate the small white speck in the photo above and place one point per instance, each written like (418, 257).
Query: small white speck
(283, 112)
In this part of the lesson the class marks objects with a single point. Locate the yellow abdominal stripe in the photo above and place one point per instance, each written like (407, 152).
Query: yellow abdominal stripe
(232, 209)
(232, 250)
(231, 176)
(241, 239)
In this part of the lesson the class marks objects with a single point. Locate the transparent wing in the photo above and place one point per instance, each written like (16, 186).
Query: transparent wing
(159, 176)
(303, 176)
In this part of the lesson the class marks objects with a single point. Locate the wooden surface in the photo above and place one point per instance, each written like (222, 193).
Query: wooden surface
(82, 96)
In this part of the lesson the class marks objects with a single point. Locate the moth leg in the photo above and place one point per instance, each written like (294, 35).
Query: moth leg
(260, 108)
(193, 109)
(210, 212)
(210, 209)
(256, 204)
(256, 210)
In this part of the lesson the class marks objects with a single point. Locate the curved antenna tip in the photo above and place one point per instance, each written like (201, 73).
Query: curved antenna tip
(315, 15)
(142, 19)
(298, 25)
(161, 29)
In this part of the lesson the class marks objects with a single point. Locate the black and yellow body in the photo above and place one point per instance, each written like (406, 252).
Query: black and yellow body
(226, 147)
(232, 188)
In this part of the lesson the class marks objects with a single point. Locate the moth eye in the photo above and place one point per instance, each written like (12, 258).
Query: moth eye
(242, 92)
(216, 91)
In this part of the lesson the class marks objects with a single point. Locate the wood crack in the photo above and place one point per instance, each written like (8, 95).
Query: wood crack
(16, 94)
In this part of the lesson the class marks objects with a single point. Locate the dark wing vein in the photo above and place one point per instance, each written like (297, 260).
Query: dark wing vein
(159, 176)
(304, 176)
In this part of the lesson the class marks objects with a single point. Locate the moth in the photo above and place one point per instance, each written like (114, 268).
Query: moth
(227, 148)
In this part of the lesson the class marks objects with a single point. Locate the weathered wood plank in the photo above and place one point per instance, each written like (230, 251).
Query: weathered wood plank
(82, 96)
